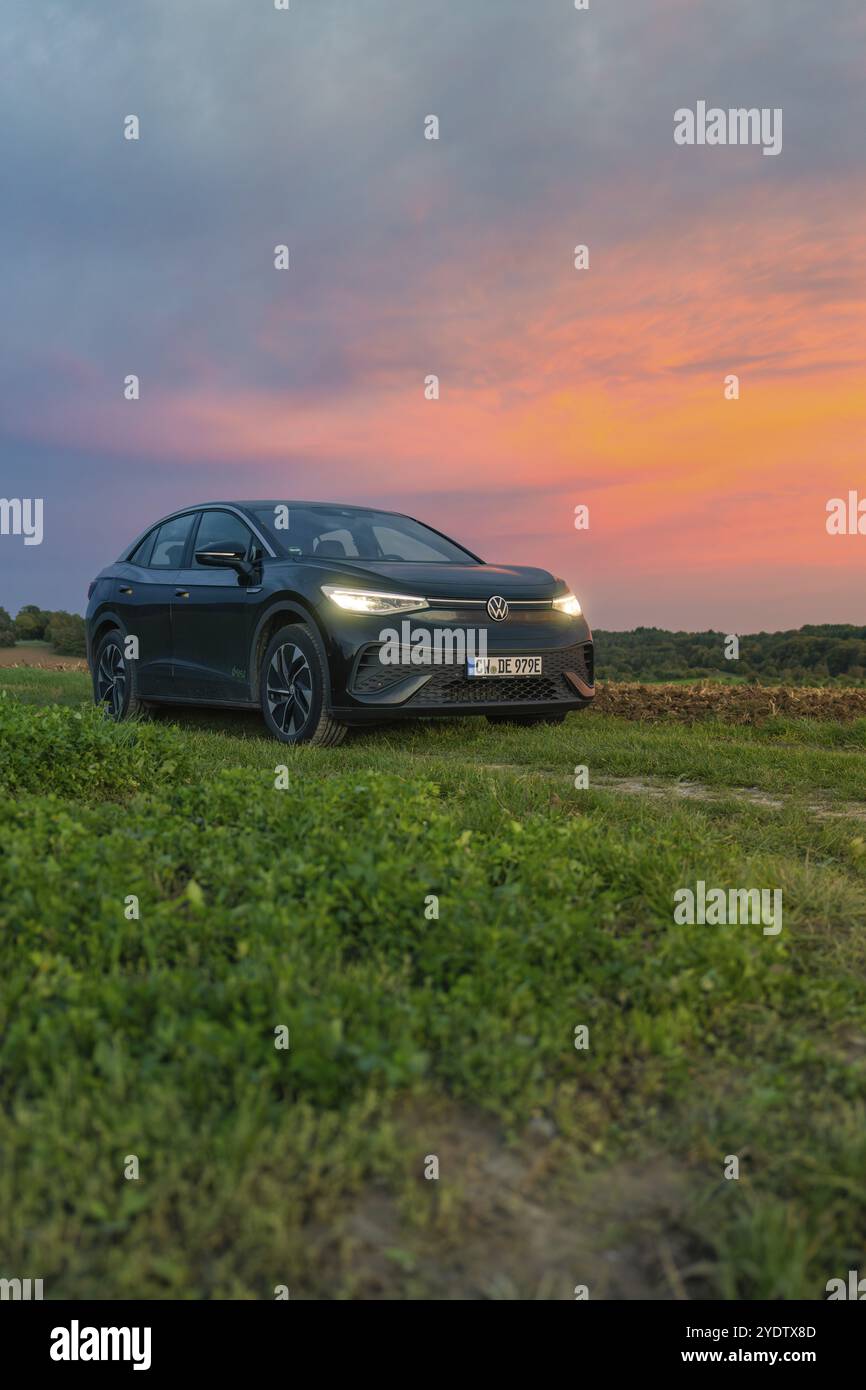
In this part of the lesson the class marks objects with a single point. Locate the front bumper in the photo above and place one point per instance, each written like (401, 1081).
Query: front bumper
(371, 689)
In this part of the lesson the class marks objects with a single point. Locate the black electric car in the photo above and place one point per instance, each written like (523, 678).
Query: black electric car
(326, 616)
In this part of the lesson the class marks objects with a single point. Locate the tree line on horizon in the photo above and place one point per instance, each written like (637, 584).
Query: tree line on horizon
(814, 654)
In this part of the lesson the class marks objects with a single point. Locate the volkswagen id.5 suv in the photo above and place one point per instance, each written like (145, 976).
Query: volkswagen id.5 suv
(325, 616)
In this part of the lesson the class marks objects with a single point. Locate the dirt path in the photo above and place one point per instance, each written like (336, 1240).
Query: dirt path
(689, 791)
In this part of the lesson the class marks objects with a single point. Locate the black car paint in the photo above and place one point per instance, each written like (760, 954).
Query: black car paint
(202, 632)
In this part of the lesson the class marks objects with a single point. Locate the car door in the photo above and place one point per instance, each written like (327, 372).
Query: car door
(144, 589)
(210, 615)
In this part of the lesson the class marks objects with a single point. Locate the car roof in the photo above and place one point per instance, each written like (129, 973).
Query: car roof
(297, 502)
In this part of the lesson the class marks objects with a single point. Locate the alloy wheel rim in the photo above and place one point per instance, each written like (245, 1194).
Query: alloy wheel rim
(111, 680)
(289, 689)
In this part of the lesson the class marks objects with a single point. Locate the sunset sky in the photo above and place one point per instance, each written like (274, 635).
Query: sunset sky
(455, 257)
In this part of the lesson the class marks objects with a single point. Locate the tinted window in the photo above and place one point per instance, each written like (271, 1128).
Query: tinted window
(141, 553)
(170, 542)
(396, 545)
(336, 545)
(336, 532)
(222, 528)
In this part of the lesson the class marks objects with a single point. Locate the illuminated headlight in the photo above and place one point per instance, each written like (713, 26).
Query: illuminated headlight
(370, 601)
(567, 604)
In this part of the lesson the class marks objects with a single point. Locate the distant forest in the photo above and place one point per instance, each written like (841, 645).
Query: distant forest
(830, 654)
(812, 655)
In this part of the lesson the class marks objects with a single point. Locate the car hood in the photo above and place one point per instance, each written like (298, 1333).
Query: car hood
(450, 581)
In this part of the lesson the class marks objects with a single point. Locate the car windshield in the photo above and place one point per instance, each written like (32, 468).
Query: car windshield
(350, 533)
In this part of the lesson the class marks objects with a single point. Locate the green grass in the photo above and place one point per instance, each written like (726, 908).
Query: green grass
(414, 1036)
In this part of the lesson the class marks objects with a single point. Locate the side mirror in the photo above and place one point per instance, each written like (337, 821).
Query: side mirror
(225, 556)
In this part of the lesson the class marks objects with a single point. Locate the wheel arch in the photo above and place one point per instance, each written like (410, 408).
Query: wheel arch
(105, 622)
(276, 615)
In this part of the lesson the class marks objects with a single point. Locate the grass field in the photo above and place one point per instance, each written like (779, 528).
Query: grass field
(413, 1036)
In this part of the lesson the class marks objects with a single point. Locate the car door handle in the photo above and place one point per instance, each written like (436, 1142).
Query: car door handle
(181, 593)
(125, 589)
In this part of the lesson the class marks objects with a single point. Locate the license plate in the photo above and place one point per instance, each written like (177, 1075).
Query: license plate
(504, 666)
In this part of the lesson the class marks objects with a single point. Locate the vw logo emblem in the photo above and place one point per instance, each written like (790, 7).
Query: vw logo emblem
(497, 608)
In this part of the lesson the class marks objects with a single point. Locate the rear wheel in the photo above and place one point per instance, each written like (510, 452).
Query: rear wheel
(114, 680)
(294, 687)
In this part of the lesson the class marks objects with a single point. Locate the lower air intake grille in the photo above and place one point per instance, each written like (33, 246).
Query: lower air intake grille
(445, 689)
(449, 685)
(371, 676)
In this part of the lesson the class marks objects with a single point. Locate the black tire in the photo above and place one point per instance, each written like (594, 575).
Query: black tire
(115, 679)
(293, 686)
(525, 720)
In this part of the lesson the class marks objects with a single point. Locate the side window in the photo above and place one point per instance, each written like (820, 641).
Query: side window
(170, 541)
(222, 528)
(141, 553)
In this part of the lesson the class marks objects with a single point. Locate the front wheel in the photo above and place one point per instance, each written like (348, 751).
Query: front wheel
(294, 683)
